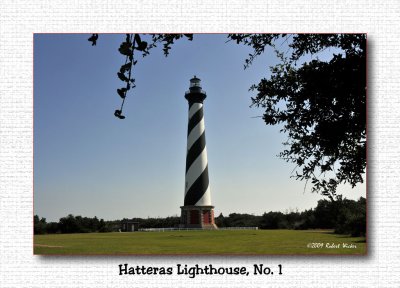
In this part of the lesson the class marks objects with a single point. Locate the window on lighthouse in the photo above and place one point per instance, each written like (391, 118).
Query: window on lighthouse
(195, 83)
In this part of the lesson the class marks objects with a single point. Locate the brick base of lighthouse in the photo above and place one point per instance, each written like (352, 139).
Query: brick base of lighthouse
(198, 217)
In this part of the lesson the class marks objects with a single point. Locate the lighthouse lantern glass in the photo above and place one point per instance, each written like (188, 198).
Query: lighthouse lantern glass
(195, 82)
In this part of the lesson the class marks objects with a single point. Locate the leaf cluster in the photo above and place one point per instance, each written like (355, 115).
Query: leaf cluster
(93, 39)
(167, 40)
(132, 43)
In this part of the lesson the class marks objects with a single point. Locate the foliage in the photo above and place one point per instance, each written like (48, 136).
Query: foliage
(132, 43)
(168, 222)
(325, 213)
(321, 105)
(352, 218)
(70, 224)
(239, 220)
(273, 220)
(344, 215)
(52, 228)
(39, 225)
(307, 220)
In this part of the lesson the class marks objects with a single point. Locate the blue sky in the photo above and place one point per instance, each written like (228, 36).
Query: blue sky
(89, 163)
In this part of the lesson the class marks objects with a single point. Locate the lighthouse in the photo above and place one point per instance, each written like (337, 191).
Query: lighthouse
(197, 211)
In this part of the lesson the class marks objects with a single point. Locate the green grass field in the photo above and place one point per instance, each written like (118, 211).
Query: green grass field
(218, 242)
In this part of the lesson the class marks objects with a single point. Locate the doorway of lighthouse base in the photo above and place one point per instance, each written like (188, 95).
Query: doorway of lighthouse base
(206, 217)
(197, 217)
(194, 217)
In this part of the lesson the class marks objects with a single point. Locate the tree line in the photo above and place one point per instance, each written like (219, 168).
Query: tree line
(343, 215)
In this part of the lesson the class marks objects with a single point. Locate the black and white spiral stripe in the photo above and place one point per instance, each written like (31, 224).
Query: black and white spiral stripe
(197, 190)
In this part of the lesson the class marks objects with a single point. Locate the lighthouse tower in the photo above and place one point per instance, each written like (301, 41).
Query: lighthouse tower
(197, 211)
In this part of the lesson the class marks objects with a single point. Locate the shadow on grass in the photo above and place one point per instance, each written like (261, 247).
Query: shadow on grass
(339, 235)
(361, 241)
(320, 231)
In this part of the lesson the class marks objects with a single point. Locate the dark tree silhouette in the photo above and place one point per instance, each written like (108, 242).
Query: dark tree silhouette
(321, 104)
(39, 225)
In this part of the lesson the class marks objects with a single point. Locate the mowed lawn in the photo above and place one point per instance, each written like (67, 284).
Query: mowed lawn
(217, 242)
